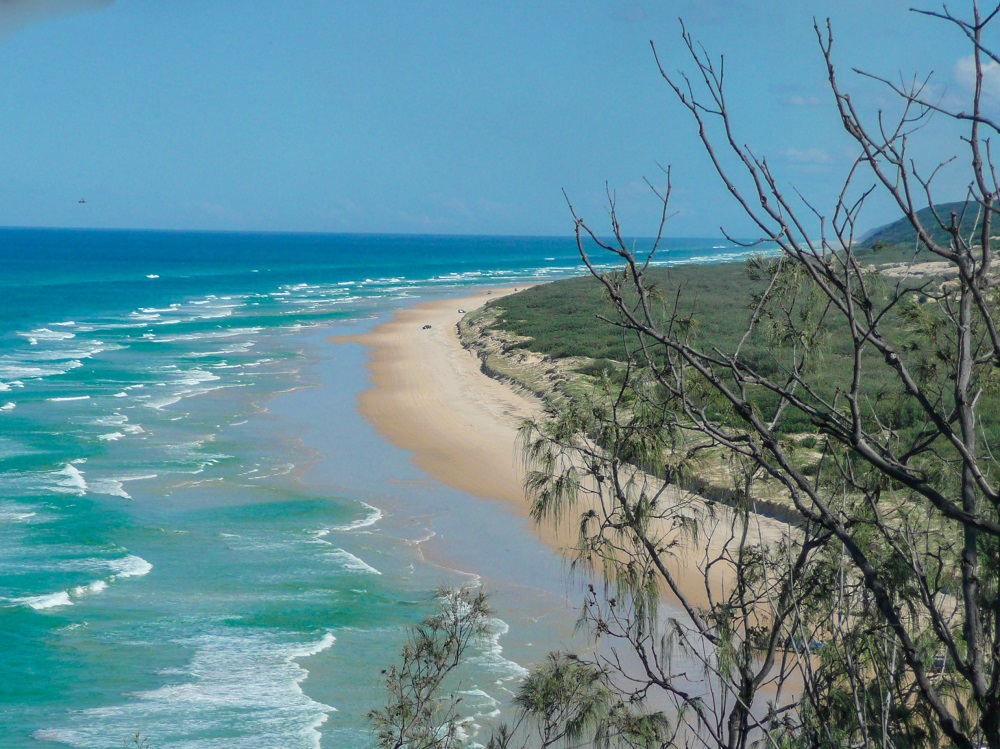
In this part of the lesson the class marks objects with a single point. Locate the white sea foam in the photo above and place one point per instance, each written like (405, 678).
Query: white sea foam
(130, 566)
(58, 736)
(491, 654)
(111, 326)
(310, 649)
(70, 480)
(14, 512)
(126, 567)
(110, 436)
(373, 516)
(282, 469)
(115, 487)
(350, 562)
(208, 335)
(190, 382)
(111, 420)
(253, 675)
(140, 477)
(47, 334)
(232, 348)
(216, 312)
(481, 705)
(8, 516)
(98, 586)
(13, 371)
(160, 403)
(56, 354)
(198, 376)
(8, 406)
(47, 601)
(110, 487)
(67, 398)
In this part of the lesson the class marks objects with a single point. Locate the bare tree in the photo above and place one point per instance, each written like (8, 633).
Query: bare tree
(881, 609)
(873, 620)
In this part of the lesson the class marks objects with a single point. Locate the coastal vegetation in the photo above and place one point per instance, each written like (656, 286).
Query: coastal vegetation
(968, 219)
(853, 388)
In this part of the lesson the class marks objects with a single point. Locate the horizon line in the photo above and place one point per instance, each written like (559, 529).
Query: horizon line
(302, 232)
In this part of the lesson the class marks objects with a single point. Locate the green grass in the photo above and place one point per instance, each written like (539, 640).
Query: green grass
(902, 233)
(563, 319)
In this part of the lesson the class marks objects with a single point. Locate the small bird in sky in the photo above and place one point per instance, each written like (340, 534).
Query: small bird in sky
(81, 200)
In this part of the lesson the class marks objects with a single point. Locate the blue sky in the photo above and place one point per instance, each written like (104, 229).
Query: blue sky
(425, 117)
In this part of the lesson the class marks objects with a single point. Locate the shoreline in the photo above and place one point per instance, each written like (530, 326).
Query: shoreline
(419, 542)
(428, 395)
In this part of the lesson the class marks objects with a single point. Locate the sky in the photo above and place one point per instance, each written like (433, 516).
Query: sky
(459, 117)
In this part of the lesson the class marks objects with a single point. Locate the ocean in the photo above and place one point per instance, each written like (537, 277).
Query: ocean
(200, 539)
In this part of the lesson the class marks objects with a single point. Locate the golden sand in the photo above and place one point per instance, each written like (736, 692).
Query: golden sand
(429, 396)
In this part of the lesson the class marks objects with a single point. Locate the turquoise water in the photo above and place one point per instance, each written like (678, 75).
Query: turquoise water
(175, 557)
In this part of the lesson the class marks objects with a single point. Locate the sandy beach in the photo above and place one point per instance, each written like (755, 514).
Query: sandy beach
(429, 396)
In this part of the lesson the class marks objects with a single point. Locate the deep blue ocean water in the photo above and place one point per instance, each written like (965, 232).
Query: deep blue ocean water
(163, 566)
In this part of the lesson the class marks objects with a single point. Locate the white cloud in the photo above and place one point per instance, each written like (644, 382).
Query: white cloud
(965, 74)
